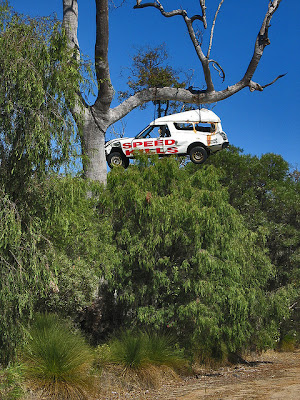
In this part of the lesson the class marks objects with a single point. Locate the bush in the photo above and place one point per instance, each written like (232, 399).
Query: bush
(11, 380)
(190, 264)
(288, 342)
(57, 360)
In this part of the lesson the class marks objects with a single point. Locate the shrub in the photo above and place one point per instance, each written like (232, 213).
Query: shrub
(190, 264)
(288, 342)
(57, 360)
(11, 379)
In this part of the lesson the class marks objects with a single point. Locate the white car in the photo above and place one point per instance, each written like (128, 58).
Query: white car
(196, 133)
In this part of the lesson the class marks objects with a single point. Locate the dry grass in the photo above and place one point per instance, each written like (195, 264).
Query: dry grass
(120, 383)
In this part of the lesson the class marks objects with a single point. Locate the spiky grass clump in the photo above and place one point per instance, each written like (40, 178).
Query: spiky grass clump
(141, 359)
(57, 360)
(129, 350)
(163, 350)
(137, 349)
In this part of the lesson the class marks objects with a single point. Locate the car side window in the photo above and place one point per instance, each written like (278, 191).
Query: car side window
(183, 126)
(164, 131)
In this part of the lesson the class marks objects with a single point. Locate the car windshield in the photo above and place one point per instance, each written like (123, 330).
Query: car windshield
(153, 132)
(145, 132)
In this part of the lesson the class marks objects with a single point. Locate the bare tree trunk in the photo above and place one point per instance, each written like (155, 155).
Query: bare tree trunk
(94, 119)
(94, 160)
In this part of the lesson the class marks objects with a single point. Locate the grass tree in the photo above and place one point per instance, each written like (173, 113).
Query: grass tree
(57, 360)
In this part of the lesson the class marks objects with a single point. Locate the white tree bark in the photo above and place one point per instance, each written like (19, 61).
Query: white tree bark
(98, 117)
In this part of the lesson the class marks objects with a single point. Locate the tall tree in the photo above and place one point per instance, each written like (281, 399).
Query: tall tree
(99, 116)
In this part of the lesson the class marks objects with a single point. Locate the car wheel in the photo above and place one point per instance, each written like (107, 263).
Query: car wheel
(116, 159)
(198, 155)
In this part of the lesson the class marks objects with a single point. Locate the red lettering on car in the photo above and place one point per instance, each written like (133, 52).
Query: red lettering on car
(168, 142)
(128, 152)
(126, 145)
(158, 142)
(172, 150)
(136, 144)
(148, 143)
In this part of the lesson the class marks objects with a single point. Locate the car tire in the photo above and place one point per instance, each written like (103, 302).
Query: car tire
(116, 159)
(198, 155)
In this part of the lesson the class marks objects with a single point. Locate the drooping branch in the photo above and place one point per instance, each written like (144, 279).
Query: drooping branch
(189, 23)
(213, 28)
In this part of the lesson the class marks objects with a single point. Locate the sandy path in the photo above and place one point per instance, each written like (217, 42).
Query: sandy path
(277, 379)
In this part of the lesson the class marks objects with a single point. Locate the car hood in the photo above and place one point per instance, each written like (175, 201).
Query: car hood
(116, 140)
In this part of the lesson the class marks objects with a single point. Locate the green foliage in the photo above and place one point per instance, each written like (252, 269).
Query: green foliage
(288, 342)
(82, 240)
(23, 274)
(189, 264)
(151, 70)
(11, 381)
(39, 80)
(57, 359)
(267, 193)
(137, 349)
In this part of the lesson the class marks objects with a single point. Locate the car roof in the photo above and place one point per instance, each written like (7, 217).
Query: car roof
(202, 115)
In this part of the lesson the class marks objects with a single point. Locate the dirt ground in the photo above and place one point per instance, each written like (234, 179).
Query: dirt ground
(272, 376)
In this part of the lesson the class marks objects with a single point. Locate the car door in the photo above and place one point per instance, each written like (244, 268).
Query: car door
(149, 141)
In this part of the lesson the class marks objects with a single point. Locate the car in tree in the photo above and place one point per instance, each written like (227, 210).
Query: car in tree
(197, 133)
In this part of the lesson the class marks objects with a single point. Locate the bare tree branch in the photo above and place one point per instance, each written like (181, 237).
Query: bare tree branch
(256, 86)
(70, 24)
(173, 94)
(262, 40)
(213, 28)
(218, 68)
(203, 8)
(189, 23)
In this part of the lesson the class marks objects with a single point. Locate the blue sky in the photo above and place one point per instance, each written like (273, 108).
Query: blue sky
(258, 122)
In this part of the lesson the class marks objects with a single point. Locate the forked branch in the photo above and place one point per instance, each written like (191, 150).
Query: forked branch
(189, 23)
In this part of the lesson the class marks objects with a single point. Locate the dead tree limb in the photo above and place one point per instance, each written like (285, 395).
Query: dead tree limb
(213, 28)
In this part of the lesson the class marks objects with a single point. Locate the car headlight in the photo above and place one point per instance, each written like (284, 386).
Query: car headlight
(224, 136)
